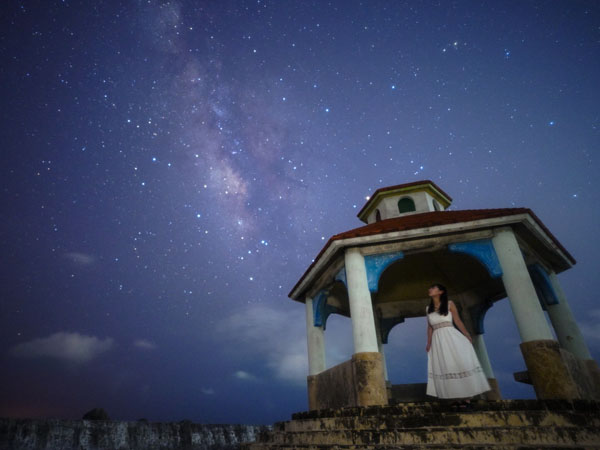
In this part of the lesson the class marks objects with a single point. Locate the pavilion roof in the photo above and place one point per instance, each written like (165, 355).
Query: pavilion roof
(430, 219)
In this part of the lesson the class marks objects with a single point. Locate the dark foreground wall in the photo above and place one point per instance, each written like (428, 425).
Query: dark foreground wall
(30, 434)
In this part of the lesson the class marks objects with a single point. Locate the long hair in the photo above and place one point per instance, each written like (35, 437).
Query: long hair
(443, 301)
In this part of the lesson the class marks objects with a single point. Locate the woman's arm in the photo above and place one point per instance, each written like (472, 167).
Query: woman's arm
(459, 323)
(429, 334)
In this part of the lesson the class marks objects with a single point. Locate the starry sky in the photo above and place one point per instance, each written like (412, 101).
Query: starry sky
(169, 169)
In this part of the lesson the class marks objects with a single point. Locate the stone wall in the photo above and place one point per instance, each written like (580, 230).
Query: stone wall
(358, 382)
(52, 434)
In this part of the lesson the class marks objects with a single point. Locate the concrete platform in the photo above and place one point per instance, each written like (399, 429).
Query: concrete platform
(502, 424)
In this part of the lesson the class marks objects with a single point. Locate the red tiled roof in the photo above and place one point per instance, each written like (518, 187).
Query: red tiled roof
(430, 219)
(400, 186)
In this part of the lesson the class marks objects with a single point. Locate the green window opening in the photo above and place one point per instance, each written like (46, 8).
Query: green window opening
(406, 204)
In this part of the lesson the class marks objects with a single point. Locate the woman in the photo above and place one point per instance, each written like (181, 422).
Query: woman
(452, 365)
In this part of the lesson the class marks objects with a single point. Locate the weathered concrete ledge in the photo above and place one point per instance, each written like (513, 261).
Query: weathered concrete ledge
(54, 434)
(436, 407)
(503, 424)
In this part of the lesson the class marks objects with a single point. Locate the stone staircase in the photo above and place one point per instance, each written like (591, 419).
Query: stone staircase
(502, 424)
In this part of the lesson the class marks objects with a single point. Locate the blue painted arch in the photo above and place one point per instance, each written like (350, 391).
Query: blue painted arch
(482, 250)
(341, 276)
(543, 285)
(376, 265)
(321, 309)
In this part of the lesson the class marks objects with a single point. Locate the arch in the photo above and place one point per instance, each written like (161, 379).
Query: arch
(376, 265)
(483, 250)
(386, 325)
(406, 204)
(377, 215)
(436, 205)
(407, 279)
(543, 286)
(321, 309)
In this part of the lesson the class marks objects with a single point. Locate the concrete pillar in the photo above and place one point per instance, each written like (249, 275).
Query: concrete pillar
(361, 310)
(484, 360)
(380, 346)
(570, 338)
(524, 302)
(482, 355)
(568, 333)
(547, 369)
(315, 342)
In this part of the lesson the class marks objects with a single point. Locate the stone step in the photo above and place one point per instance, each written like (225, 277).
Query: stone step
(421, 408)
(532, 436)
(474, 419)
(255, 446)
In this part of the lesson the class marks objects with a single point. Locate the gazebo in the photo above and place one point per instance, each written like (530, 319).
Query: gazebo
(377, 276)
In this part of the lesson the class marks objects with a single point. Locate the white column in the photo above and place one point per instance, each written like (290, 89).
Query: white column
(524, 303)
(564, 324)
(380, 344)
(361, 310)
(482, 355)
(315, 342)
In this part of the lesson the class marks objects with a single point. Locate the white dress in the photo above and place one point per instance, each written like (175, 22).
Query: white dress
(452, 365)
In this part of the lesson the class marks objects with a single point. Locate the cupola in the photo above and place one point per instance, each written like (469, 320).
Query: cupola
(404, 199)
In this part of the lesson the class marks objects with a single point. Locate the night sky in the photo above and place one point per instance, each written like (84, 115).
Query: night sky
(170, 169)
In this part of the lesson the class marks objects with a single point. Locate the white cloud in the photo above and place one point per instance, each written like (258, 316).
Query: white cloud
(292, 367)
(82, 259)
(64, 346)
(272, 336)
(144, 344)
(242, 375)
(207, 391)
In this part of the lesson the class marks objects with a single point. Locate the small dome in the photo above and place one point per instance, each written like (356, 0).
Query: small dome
(404, 199)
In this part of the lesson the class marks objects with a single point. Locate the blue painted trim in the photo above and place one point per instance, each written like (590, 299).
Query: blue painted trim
(386, 325)
(483, 250)
(341, 276)
(376, 264)
(478, 313)
(322, 310)
(543, 285)
(317, 308)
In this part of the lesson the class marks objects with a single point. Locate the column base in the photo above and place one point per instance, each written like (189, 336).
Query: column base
(494, 393)
(369, 380)
(594, 376)
(549, 373)
(358, 382)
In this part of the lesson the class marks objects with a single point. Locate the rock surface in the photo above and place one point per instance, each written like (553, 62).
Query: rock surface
(53, 434)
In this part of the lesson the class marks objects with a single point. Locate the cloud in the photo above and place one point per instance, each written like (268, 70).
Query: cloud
(144, 344)
(64, 346)
(208, 391)
(242, 375)
(276, 337)
(273, 336)
(82, 259)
